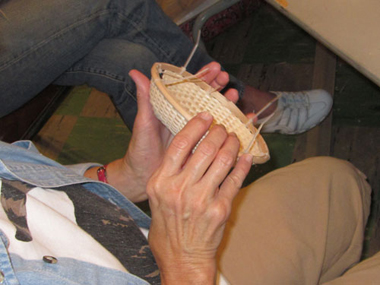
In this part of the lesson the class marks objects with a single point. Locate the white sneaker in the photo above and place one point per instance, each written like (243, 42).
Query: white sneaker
(298, 112)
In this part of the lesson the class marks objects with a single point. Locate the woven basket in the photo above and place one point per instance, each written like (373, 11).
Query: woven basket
(176, 100)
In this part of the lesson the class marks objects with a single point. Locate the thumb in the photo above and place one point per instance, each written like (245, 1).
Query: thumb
(143, 87)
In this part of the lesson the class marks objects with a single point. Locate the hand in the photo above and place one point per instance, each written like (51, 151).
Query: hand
(148, 144)
(220, 81)
(190, 197)
(146, 149)
(150, 139)
(217, 78)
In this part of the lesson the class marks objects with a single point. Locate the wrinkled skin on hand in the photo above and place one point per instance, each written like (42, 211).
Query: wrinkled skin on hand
(190, 197)
(150, 137)
(190, 194)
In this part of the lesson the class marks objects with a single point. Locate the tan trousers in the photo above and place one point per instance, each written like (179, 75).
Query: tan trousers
(302, 224)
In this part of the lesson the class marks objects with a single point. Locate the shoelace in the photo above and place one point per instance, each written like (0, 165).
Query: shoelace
(292, 100)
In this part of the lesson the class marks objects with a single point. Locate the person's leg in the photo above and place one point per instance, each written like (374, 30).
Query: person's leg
(365, 273)
(111, 75)
(302, 224)
(41, 40)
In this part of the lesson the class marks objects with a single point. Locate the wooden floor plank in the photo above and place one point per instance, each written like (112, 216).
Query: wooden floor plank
(99, 105)
(360, 146)
(317, 142)
(53, 136)
(277, 76)
(27, 121)
(230, 47)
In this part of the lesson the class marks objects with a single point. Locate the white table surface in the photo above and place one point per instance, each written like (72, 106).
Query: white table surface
(350, 28)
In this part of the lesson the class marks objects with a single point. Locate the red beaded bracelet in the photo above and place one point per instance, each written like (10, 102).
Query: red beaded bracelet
(102, 173)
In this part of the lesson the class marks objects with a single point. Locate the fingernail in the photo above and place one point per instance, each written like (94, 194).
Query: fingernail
(249, 158)
(205, 116)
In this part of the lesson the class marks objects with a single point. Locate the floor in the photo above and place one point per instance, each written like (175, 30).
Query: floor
(269, 52)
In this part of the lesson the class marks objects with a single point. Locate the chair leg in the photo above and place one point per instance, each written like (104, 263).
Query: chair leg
(209, 12)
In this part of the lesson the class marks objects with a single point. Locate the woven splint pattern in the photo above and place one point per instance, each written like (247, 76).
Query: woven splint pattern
(165, 111)
(175, 101)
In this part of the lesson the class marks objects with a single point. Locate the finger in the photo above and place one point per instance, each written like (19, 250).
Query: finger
(233, 182)
(252, 117)
(232, 95)
(205, 153)
(145, 119)
(222, 164)
(184, 142)
(213, 68)
(142, 87)
(222, 79)
(215, 77)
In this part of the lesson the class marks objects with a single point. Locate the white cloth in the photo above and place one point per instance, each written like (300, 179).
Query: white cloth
(55, 232)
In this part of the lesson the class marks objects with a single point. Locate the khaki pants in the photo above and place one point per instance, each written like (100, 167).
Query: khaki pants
(302, 224)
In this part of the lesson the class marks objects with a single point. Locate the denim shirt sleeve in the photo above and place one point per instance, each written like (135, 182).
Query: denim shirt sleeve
(68, 271)
(21, 161)
(7, 273)
(81, 168)
(15, 270)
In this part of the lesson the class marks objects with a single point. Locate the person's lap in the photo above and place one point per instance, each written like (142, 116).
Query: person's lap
(302, 224)
(366, 272)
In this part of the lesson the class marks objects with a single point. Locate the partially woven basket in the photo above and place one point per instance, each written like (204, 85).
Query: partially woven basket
(177, 96)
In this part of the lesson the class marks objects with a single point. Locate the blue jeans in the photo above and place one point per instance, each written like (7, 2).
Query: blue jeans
(69, 42)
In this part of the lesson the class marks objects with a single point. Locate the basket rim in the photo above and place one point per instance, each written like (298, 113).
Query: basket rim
(215, 94)
(202, 84)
